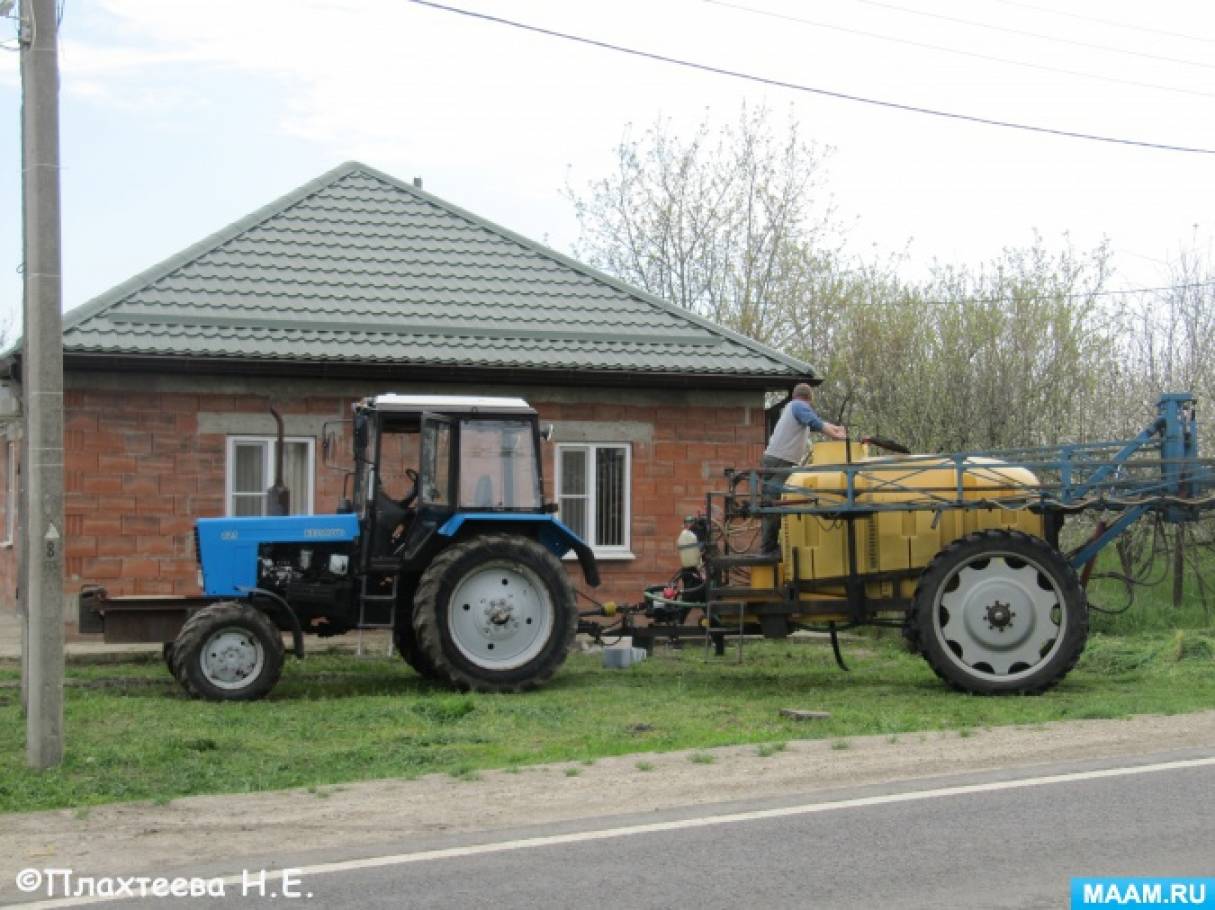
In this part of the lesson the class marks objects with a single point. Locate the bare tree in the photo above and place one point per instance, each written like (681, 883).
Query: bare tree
(1005, 355)
(723, 223)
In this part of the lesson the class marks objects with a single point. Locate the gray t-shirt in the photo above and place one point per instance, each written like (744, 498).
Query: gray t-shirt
(792, 432)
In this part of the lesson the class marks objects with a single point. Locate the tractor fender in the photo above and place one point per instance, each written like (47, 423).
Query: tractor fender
(549, 531)
(297, 631)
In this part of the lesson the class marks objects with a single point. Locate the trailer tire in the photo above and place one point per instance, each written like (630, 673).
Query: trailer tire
(495, 613)
(228, 652)
(999, 613)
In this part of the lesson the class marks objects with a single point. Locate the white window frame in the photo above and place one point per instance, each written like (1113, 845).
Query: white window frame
(10, 498)
(269, 444)
(623, 551)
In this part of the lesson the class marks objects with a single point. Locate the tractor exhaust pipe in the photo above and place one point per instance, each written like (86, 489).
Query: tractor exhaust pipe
(278, 497)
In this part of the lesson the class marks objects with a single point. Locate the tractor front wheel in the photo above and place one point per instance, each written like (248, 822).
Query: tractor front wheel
(1000, 612)
(228, 652)
(495, 613)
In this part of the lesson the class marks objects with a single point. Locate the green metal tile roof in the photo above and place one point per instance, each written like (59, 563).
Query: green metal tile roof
(358, 267)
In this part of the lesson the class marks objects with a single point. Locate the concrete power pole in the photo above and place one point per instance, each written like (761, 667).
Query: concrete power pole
(41, 581)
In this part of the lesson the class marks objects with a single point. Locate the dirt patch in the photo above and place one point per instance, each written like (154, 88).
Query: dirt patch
(132, 838)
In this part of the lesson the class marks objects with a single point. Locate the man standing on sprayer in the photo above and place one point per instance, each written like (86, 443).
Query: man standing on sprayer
(786, 449)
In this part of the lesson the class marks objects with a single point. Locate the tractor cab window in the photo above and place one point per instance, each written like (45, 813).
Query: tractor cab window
(436, 462)
(398, 461)
(498, 465)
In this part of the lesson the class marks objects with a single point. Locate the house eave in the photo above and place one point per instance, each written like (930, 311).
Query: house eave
(452, 373)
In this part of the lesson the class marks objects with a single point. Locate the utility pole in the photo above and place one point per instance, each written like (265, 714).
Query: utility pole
(41, 582)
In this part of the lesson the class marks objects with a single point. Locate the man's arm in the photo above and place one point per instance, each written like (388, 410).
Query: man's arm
(807, 417)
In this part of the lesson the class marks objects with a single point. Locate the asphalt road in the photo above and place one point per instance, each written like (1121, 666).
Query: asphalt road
(1006, 839)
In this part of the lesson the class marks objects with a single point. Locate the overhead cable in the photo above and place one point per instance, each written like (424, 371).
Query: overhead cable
(828, 93)
(1083, 295)
(961, 53)
(1029, 298)
(1111, 22)
(1007, 30)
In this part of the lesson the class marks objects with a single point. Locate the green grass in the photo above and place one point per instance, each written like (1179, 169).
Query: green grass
(1152, 609)
(132, 735)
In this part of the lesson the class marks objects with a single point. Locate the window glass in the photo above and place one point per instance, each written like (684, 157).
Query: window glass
(248, 478)
(609, 497)
(250, 471)
(593, 494)
(571, 498)
(436, 463)
(9, 479)
(398, 453)
(498, 468)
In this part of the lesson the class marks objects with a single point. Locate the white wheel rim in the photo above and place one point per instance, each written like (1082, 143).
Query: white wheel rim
(231, 658)
(500, 615)
(996, 619)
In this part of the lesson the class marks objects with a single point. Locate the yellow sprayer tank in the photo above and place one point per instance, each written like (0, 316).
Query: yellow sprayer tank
(816, 548)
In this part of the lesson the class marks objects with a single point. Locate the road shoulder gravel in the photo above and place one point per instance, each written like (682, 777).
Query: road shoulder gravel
(141, 838)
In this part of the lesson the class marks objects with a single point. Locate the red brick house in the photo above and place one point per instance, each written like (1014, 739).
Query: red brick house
(357, 284)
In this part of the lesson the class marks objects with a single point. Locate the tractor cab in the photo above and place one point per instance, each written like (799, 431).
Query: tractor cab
(421, 460)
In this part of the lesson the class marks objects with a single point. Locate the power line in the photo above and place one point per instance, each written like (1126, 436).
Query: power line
(961, 53)
(1017, 31)
(1085, 295)
(1115, 24)
(793, 86)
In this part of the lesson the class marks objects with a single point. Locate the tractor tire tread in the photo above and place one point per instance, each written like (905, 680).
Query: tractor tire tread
(427, 622)
(406, 641)
(194, 633)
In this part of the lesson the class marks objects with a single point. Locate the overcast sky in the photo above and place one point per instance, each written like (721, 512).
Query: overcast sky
(180, 116)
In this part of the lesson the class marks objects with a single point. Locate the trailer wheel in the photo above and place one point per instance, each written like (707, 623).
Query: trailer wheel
(228, 652)
(1000, 612)
(495, 614)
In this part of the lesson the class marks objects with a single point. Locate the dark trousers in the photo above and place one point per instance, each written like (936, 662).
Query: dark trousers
(771, 497)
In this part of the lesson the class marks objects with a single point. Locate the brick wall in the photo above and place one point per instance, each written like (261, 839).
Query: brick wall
(145, 456)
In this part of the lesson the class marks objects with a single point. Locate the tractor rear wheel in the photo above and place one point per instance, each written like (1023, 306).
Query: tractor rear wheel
(1000, 612)
(406, 641)
(495, 613)
(228, 652)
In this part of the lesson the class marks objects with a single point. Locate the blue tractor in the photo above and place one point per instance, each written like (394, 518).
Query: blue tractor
(444, 538)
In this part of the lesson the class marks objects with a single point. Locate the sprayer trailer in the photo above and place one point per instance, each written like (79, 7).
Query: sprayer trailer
(960, 551)
(442, 536)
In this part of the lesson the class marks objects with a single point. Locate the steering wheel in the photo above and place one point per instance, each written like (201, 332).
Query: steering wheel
(412, 495)
(399, 513)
